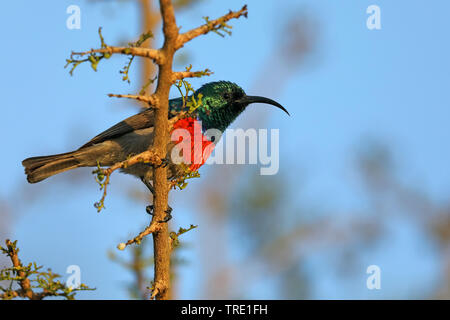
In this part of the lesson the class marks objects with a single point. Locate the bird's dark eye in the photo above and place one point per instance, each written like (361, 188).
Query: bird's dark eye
(237, 95)
(226, 95)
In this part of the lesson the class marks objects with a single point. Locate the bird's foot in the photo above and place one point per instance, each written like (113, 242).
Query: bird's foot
(149, 209)
(168, 215)
(164, 162)
(168, 212)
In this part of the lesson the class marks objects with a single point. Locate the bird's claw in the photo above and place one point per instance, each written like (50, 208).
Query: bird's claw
(168, 215)
(149, 210)
(168, 212)
(164, 162)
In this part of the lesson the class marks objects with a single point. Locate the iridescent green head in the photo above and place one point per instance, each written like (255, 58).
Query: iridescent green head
(223, 101)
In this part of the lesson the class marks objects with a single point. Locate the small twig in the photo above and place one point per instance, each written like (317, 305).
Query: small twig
(209, 26)
(153, 54)
(190, 74)
(147, 156)
(151, 99)
(175, 242)
(152, 228)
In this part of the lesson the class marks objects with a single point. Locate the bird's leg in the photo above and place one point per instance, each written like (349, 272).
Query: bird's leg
(150, 207)
(149, 185)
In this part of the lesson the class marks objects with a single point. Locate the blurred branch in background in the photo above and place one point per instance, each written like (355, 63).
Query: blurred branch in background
(392, 197)
(140, 262)
(5, 231)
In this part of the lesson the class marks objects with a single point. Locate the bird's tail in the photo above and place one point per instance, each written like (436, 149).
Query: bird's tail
(40, 168)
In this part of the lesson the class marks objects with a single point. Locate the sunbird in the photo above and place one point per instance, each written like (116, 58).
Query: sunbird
(221, 103)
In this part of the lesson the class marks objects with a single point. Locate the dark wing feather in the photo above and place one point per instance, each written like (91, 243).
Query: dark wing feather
(142, 120)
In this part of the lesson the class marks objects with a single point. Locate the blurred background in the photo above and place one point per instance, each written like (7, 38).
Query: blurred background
(364, 169)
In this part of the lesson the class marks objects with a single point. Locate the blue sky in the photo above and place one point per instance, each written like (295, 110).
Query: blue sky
(390, 84)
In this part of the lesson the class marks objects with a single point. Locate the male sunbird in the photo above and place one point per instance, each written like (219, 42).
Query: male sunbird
(222, 102)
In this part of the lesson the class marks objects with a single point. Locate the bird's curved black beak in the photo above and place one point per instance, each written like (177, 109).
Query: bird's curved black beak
(246, 100)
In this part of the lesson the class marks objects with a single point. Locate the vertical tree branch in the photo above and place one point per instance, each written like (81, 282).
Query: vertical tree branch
(172, 42)
(162, 248)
